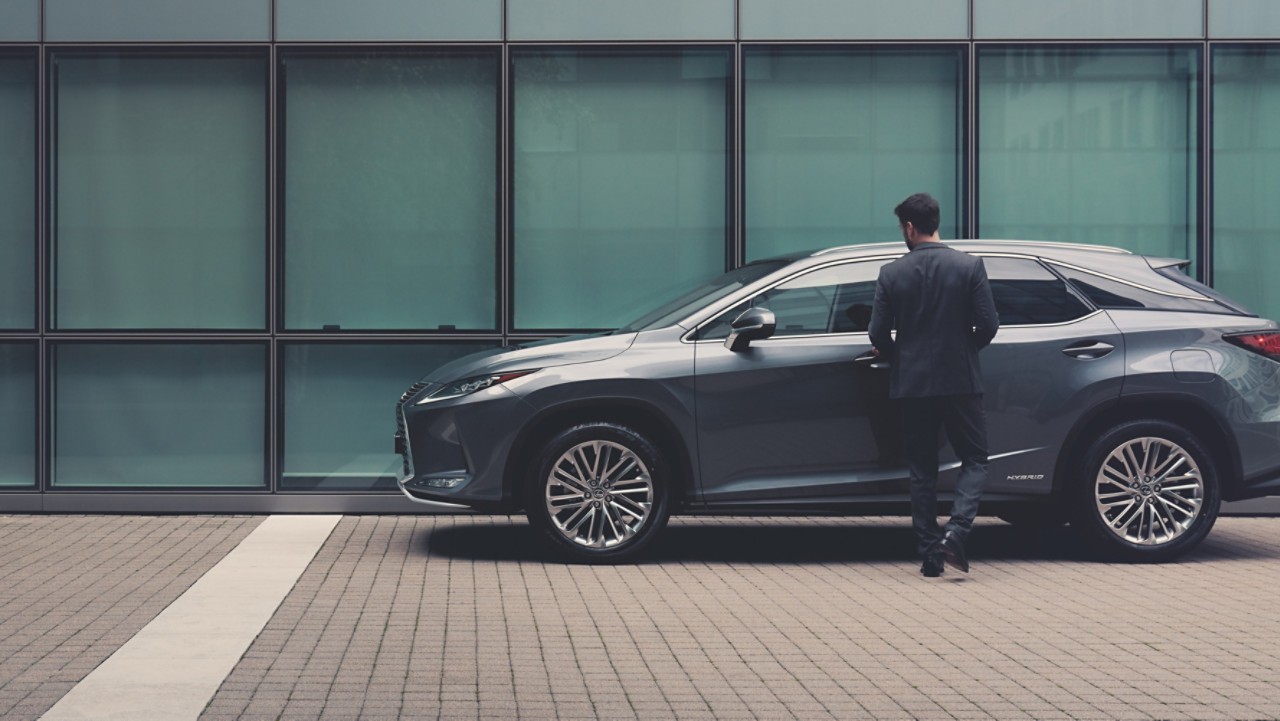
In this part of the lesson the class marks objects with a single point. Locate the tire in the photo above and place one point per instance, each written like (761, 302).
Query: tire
(1123, 501)
(599, 492)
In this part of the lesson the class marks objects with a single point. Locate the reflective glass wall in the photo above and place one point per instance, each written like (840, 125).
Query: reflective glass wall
(232, 234)
(1090, 145)
(1246, 175)
(835, 136)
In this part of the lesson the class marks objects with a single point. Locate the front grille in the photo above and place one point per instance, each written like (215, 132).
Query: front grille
(401, 431)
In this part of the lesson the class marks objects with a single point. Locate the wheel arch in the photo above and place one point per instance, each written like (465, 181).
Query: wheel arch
(637, 414)
(1190, 412)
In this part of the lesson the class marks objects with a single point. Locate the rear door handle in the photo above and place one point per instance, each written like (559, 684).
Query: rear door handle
(1088, 350)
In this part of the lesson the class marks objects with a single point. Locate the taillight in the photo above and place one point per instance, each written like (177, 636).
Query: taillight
(1266, 342)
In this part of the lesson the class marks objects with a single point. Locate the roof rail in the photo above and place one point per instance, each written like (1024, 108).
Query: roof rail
(1055, 244)
(839, 248)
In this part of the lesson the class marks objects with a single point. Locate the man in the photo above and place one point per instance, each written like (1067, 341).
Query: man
(939, 301)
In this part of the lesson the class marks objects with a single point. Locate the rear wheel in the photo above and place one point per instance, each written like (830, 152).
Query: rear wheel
(600, 492)
(1149, 492)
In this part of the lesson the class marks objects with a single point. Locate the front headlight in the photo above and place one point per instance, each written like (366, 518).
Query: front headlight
(471, 385)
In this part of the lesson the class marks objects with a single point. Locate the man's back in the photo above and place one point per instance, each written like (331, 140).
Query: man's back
(939, 301)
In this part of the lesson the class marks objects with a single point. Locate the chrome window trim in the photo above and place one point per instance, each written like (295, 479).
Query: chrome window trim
(1012, 326)
(1130, 283)
(733, 299)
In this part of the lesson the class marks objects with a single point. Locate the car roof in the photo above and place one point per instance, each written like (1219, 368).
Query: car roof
(1093, 257)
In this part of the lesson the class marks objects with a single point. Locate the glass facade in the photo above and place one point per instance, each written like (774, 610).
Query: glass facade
(1246, 175)
(17, 190)
(836, 137)
(231, 234)
(17, 409)
(338, 426)
(620, 196)
(130, 415)
(1090, 145)
(390, 190)
(159, 191)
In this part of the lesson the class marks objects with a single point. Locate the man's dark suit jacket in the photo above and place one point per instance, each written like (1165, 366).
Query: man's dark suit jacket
(939, 300)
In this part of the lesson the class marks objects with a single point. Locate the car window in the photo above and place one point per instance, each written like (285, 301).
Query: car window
(1026, 293)
(833, 299)
(1108, 293)
(1182, 278)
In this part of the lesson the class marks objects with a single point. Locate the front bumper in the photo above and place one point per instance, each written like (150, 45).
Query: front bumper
(455, 451)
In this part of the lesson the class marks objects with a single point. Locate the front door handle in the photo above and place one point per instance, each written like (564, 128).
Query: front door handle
(1088, 350)
(871, 360)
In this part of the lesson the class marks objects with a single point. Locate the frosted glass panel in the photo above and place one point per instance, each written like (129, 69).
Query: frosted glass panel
(1085, 19)
(160, 192)
(1090, 146)
(388, 19)
(339, 410)
(620, 20)
(391, 191)
(619, 182)
(1246, 176)
(151, 415)
(835, 139)
(1244, 19)
(19, 20)
(89, 20)
(17, 191)
(17, 414)
(854, 19)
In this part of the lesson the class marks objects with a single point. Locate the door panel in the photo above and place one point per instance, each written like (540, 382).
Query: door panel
(795, 418)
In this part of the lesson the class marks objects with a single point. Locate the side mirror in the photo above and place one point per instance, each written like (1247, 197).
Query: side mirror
(753, 324)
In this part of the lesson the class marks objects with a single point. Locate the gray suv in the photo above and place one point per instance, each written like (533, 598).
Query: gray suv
(1121, 395)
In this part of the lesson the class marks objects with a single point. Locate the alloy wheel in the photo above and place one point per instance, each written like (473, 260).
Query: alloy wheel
(598, 494)
(1149, 491)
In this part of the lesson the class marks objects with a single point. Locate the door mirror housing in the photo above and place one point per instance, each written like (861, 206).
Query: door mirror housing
(753, 324)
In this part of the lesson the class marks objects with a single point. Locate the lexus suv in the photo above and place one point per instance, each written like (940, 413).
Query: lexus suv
(1122, 396)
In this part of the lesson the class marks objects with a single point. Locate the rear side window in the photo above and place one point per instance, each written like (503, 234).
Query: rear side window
(1026, 293)
(1112, 294)
(1189, 282)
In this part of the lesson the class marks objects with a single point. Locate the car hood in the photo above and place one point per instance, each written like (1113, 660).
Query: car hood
(537, 354)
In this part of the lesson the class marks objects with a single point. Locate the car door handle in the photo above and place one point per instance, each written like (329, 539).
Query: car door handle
(1088, 350)
(871, 360)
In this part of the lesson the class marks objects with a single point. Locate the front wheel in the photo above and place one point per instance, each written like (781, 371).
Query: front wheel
(1149, 492)
(600, 492)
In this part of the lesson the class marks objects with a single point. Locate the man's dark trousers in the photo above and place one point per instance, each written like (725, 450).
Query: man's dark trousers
(965, 422)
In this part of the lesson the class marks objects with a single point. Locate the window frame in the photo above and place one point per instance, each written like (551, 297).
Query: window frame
(35, 310)
(732, 211)
(492, 51)
(49, 220)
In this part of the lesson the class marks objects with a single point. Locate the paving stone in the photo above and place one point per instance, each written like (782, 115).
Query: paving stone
(73, 589)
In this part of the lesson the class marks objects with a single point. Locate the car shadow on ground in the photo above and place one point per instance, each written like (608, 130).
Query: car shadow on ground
(767, 542)
(777, 541)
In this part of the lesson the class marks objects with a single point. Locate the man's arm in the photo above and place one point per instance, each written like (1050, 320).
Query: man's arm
(882, 319)
(986, 321)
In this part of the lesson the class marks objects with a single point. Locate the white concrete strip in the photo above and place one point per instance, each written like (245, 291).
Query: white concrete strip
(172, 667)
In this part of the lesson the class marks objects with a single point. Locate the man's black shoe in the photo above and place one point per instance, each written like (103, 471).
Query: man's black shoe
(953, 551)
(932, 567)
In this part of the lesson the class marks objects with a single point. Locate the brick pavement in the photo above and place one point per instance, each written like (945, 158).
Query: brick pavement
(73, 589)
(458, 617)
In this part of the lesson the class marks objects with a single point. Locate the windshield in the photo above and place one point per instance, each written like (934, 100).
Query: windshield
(704, 294)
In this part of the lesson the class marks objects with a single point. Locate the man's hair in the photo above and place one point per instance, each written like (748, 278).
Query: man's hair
(921, 210)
